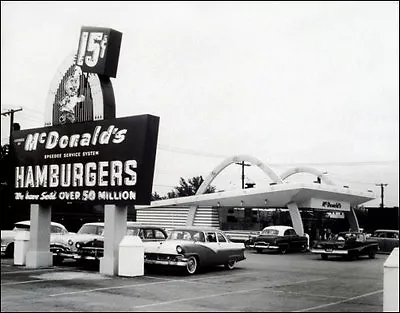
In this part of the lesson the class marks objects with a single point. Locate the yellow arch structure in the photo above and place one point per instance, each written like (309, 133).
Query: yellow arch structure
(309, 170)
(217, 170)
(238, 158)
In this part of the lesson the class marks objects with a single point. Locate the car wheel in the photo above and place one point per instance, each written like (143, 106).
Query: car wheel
(259, 250)
(191, 265)
(57, 260)
(371, 254)
(10, 250)
(283, 249)
(230, 265)
(324, 256)
(303, 248)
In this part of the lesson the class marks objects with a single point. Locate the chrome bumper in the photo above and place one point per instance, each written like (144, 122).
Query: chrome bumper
(182, 262)
(264, 246)
(333, 251)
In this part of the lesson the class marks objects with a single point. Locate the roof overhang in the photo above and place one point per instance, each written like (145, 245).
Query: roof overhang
(279, 195)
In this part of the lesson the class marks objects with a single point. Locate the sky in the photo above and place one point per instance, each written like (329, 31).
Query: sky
(290, 83)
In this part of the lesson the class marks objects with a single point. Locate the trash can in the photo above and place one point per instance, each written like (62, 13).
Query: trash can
(131, 256)
(391, 282)
(21, 244)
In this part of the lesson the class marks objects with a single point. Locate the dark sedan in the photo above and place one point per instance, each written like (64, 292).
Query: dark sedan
(279, 238)
(349, 245)
(388, 239)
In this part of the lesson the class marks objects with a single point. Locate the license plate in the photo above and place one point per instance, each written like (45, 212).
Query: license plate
(328, 250)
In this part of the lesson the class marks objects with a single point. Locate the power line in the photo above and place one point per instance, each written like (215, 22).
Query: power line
(12, 126)
(354, 163)
(243, 165)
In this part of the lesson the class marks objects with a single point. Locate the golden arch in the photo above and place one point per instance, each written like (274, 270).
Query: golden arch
(239, 158)
(309, 170)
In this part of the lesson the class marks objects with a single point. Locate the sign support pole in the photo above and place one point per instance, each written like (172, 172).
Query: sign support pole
(115, 218)
(38, 254)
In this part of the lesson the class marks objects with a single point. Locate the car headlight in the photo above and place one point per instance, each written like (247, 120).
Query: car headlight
(70, 242)
(179, 249)
(78, 245)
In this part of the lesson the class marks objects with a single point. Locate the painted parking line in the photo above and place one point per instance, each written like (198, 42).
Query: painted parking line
(28, 271)
(339, 302)
(220, 294)
(22, 282)
(111, 288)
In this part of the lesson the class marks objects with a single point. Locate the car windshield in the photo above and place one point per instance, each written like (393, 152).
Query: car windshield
(270, 231)
(132, 231)
(91, 229)
(19, 227)
(190, 235)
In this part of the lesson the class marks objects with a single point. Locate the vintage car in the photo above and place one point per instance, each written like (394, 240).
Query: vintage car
(193, 247)
(279, 238)
(67, 249)
(349, 245)
(94, 249)
(58, 235)
(388, 239)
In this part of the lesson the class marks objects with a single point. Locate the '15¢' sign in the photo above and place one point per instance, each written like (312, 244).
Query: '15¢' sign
(98, 50)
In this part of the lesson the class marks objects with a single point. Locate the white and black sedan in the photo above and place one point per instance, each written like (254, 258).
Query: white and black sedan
(193, 247)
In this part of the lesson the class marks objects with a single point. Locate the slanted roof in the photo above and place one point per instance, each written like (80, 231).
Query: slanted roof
(278, 195)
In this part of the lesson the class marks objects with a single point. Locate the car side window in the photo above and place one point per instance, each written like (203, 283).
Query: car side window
(55, 229)
(288, 232)
(158, 234)
(211, 237)
(148, 234)
(221, 237)
(199, 237)
(393, 236)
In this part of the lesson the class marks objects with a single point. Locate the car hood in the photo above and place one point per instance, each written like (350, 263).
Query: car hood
(84, 237)
(165, 247)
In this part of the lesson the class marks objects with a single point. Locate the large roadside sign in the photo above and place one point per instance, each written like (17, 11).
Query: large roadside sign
(108, 161)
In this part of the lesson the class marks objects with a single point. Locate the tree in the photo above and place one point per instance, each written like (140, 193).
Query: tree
(185, 188)
(155, 196)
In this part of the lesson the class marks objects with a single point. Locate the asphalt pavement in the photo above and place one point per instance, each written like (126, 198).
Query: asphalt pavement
(294, 282)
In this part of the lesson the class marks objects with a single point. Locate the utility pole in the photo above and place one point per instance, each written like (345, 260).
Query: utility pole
(243, 165)
(11, 113)
(382, 186)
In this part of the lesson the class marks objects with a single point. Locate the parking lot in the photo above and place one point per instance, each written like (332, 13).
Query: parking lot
(296, 282)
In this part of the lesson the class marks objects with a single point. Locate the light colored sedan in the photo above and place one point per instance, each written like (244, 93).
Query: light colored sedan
(57, 234)
(193, 247)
